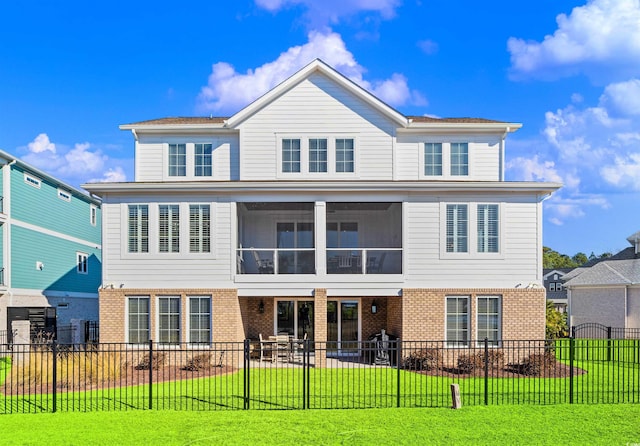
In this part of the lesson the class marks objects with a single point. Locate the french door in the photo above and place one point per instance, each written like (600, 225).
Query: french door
(295, 317)
(343, 327)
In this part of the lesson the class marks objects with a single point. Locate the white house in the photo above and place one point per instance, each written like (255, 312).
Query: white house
(319, 209)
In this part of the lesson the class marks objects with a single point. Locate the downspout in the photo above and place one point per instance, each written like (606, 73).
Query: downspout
(502, 153)
(626, 304)
(6, 239)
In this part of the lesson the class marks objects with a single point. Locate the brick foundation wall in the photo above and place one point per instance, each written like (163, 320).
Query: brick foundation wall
(423, 312)
(225, 308)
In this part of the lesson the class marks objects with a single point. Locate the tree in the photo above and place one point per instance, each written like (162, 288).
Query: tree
(580, 258)
(556, 324)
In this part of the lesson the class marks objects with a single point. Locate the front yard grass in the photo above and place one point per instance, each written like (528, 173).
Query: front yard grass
(531, 425)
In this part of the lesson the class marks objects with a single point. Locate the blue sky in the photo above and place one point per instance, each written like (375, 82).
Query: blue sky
(569, 71)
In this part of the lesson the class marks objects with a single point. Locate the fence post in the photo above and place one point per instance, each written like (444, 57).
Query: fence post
(486, 371)
(608, 343)
(54, 351)
(571, 355)
(398, 360)
(573, 331)
(307, 353)
(150, 374)
(247, 372)
(304, 374)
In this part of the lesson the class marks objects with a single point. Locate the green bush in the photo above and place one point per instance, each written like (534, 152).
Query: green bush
(425, 359)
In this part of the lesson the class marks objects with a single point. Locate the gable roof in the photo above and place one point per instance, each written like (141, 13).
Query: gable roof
(317, 66)
(608, 272)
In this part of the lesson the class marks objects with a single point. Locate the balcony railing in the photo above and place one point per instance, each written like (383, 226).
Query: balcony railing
(276, 261)
(364, 261)
(302, 261)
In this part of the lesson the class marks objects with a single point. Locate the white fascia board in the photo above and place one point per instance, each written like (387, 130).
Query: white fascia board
(263, 187)
(216, 127)
(461, 127)
(319, 66)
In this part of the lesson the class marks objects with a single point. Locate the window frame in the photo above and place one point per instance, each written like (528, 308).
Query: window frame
(486, 237)
(93, 215)
(82, 262)
(454, 343)
(480, 340)
(200, 236)
(170, 315)
(472, 231)
(140, 236)
(306, 157)
(430, 160)
(179, 172)
(172, 235)
(128, 313)
(446, 160)
(64, 195)
(202, 157)
(190, 326)
(32, 181)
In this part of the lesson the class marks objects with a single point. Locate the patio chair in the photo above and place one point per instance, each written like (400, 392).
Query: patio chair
(376, 267)
(266, 349)
(284, 346)
(265, 266)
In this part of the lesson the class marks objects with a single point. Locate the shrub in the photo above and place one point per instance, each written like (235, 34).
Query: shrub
(425, 359)
(198, 362)
(495, 358)
(469, 363)
(535, 364)
(159, 361)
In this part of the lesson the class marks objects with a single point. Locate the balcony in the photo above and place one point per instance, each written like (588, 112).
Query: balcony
(357, 238)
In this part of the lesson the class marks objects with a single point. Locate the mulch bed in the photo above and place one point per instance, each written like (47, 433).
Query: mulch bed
(560, 370)
(131, 375)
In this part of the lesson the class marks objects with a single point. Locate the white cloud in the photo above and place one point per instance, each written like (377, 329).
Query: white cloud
(623, 97)
(320, 14)
(228, 91)
(624, 172)
(73, 165)
(600, 39)
(42, 144)
(428, 46)
(112, 175)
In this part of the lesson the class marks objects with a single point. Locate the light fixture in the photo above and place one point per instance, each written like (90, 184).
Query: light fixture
(261, 307)
(374, 307)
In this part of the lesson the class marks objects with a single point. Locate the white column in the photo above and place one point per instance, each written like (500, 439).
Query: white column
(320, 211)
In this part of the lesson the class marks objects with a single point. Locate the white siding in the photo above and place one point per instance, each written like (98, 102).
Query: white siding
(317, 106)
(151, 157)
(484, 156)
(166, 270)
(426, 266)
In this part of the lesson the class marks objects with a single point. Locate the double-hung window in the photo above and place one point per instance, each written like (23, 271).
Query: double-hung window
(488, 315)
(345, 155)
(488, 228)
(138, 319)
(317, 155)
(291, 155)
(177, 160)
(138, 228)
(199, 228)
(459, 158)
(457, 321)
(457, 228)
(433, 158)
(199, 319)
(203, 159)
(169, 320)
(169, 228)
(82, 263)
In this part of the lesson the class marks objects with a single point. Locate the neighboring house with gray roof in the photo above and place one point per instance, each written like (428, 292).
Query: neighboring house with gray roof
(554, 279)
(609, 291)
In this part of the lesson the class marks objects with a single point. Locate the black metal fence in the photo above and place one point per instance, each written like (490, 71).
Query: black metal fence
(594, 330)
(306, 374)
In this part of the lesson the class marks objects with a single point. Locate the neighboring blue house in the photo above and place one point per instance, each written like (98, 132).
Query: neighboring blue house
(50, 248)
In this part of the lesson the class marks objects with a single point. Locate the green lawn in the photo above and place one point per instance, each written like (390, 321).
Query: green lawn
(508, 425)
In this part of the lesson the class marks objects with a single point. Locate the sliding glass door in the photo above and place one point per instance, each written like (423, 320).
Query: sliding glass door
(295, 317)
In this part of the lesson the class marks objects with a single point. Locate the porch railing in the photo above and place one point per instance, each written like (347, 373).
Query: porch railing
(302, 261)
